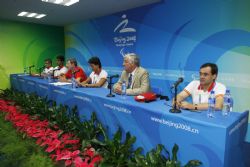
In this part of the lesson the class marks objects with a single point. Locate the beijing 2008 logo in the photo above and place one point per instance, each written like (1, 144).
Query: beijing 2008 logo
(124, 35)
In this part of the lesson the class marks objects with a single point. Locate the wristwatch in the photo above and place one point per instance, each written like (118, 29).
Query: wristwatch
(195, 107)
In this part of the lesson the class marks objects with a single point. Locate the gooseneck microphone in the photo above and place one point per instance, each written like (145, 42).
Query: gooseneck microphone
(40, 70)
(113, 76)
(110, 85)
(30, 68)
(175, 85)
(53, 71)
(180, 80)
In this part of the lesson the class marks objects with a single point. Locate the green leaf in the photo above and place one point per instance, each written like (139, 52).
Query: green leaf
(174, 152)
(193, 163)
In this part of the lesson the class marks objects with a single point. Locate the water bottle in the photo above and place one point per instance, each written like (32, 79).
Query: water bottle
(124, 88)
(231, 104)
(73, 81)
(211, 105)
(227, 107)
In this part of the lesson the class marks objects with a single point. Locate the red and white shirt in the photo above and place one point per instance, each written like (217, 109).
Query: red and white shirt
(199, 95)
(78, 74)
(48, 70)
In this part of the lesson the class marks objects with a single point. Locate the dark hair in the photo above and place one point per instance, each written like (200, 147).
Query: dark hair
(73, 61)
(95, 61)
(60, 57)
(48, 60)
(214, 68)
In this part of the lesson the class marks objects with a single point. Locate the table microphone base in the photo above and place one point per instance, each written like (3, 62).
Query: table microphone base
(110, 95)
(175, 110)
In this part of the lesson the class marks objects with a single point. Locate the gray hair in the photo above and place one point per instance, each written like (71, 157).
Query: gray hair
(133, 59)
(73, 61)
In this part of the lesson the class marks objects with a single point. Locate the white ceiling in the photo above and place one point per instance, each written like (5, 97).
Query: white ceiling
(62, 15)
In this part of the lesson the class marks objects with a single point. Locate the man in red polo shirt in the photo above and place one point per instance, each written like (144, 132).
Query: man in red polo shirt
(73, 71)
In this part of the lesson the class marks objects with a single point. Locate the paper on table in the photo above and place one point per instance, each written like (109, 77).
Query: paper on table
(60, 83)
(20, 75)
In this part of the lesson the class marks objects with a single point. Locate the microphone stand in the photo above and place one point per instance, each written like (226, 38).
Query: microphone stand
(110, 88)
(53, 72)
(40, 71)
(30, 69)
(175, 109)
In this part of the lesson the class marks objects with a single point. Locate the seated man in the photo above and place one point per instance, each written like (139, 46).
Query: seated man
(48, 69)
(98, 78)
(200, 90)
(73, 71)
(60, 68)
(136, 77)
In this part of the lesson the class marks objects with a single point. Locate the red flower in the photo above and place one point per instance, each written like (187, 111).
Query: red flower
(53, 144)
(96, 159)
(66, 147)
(89, 152)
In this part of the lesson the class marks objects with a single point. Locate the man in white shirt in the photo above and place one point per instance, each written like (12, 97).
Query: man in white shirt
(98, 76)
(48, 70)
(60, 68)
(200, 90)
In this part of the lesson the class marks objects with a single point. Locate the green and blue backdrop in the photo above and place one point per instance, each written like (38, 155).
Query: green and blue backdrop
(26, 44)
(173, 38)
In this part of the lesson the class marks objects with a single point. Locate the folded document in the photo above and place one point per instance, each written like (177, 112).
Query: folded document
(60, 83)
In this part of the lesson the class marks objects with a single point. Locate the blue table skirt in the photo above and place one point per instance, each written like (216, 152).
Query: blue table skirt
(215, 141)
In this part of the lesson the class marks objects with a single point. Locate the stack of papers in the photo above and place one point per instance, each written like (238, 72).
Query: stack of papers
(60, 83)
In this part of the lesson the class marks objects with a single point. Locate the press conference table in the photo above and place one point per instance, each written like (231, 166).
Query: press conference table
(215, 141)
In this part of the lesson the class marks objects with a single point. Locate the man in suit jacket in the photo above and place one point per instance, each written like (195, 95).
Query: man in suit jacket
(136, 77)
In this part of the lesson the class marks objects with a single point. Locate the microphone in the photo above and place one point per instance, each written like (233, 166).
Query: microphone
(110, 85)
(180, 80)
(41, 68)
(31, 66)
(113, 76)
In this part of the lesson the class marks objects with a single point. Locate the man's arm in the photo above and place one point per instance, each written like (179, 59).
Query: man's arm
(84, 82)
(117, 87)
(219, 100)
(185, 105)
(190, 106)
(180, 97)
(96, 85)
(204, 106)
(62, 78)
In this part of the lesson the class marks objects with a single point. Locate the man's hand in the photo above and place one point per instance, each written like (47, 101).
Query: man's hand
(118, 89)
(186, 105)
(178, 103)
(62, 78)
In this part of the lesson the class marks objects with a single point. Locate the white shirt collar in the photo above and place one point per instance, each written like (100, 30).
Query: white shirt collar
(133, 72)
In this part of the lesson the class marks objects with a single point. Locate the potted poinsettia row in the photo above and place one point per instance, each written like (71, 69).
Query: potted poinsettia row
(61, 146)
(77, 141)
